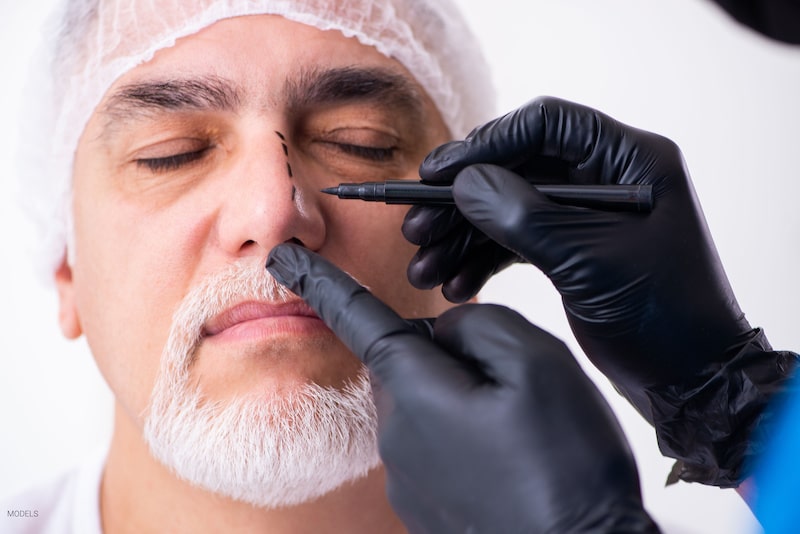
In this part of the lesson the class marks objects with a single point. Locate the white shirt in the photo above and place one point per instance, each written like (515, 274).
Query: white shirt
(69, 504)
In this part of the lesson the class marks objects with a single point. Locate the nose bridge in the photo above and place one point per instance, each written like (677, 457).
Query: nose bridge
(262, 204)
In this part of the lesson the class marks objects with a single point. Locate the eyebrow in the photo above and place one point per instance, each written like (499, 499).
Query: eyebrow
(306, 89)
(314, 87)
(203, 93)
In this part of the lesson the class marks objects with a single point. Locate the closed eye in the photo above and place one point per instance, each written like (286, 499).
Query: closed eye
(173, 162)
(372, 153)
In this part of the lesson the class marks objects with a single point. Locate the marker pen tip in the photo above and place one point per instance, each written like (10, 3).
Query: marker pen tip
(330, 190)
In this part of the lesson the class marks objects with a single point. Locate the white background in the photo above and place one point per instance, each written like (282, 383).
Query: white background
(681, 68)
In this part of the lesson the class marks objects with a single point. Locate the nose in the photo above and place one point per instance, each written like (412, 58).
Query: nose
(267, 200)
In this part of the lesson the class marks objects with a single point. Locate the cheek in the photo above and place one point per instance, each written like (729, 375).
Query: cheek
(125, 279)
(370, 235)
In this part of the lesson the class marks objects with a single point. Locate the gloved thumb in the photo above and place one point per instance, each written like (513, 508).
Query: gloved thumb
(507, 208)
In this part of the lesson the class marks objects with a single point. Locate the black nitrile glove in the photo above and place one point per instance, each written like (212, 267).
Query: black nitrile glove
(777, 19)
(645, 293)
(489, 427)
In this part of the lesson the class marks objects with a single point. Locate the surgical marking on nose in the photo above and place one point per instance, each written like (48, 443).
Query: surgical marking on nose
(285, 153)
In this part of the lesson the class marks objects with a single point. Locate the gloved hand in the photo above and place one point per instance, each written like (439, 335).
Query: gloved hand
(776, 19)
(489, 427)
(645, 294)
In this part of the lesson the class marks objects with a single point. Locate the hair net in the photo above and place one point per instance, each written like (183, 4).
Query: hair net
(94, 42)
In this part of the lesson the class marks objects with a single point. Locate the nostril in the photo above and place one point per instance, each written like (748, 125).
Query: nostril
(296, 241)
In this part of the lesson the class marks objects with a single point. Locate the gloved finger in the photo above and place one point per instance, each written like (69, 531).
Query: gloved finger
(517, 216)
(443, 162)
(545, 127)
(424, 225)
(423, 326)
(434, 264)
(483, 263)
(508, 141)
(507, 347)
(389, 346)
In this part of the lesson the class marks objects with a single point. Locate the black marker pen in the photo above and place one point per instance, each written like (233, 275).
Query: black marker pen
(633, 197)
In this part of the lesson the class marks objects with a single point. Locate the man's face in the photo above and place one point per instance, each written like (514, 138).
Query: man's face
(209, 155)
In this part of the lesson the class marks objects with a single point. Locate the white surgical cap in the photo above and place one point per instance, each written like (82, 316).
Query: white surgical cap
(94, 42)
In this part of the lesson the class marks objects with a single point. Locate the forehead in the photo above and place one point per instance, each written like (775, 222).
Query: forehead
(264, 59)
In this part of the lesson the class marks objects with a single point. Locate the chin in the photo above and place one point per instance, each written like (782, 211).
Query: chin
(280, 450)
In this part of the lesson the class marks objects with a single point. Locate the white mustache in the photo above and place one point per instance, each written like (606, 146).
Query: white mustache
(244, 280)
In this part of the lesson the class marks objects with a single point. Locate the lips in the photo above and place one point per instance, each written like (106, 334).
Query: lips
(255, 311)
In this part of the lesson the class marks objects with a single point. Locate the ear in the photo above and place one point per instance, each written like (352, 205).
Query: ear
(67, 309)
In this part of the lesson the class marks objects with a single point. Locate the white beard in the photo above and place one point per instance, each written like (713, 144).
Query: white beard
(271, 452)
